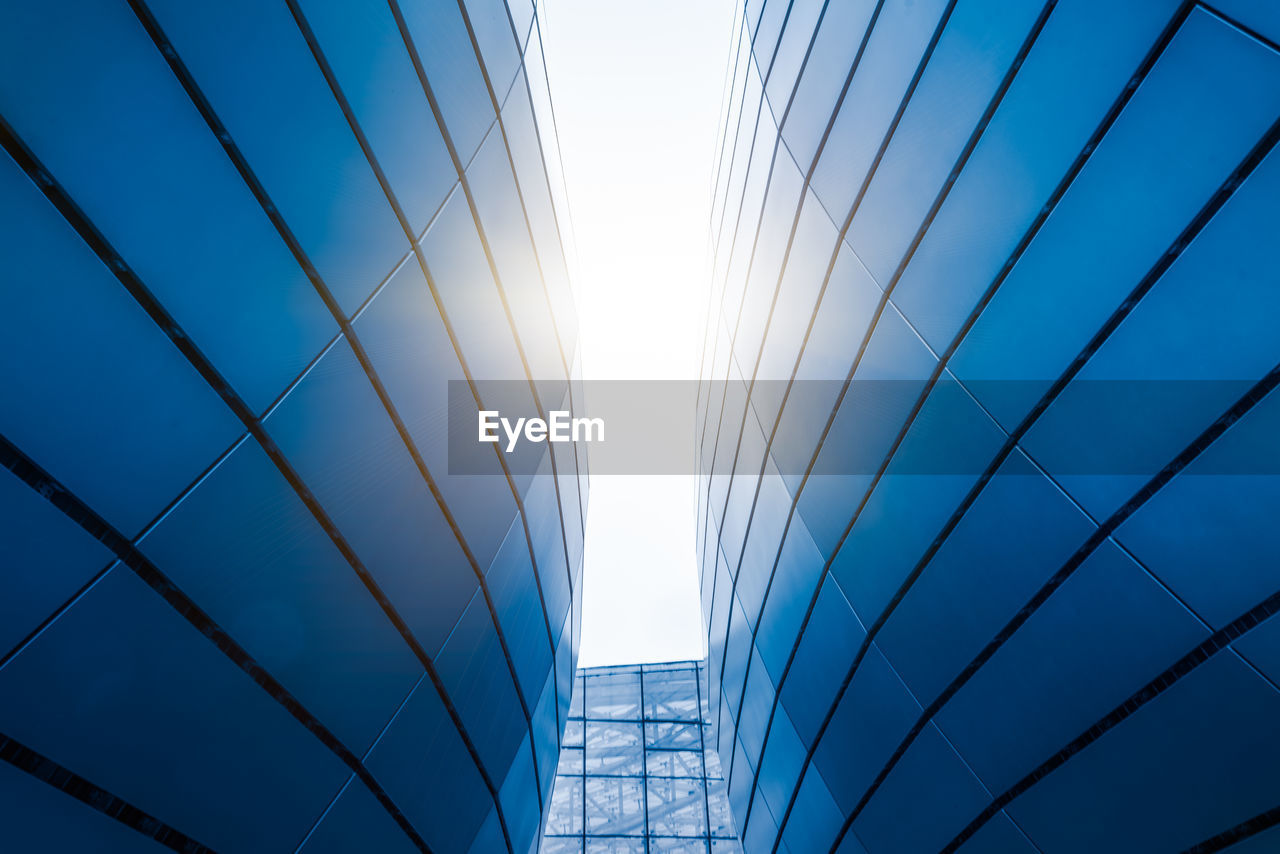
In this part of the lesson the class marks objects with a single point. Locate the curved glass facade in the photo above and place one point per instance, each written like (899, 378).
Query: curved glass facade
(1003, 205)
(244, 606)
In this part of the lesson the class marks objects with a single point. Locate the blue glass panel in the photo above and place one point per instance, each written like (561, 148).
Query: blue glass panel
(1108, 629)
(671, 695)
(114, 411)
(522, 16)
(1227, 516)
(444, 50)
(718, 809)
(873, 716)
(830, 641)
(40, 818)
(793, 46)
(1203, 342)
(248, 551)
(807, 261)
(980, 41)
(829, 62)
(48, 558)
(1211, 94)
(474, 671)
(815, 819)
(1129, 791)
(361, 42)
(839, 325)
(456, 262)
(761, 831)
(754, 714)
(497, 42)
(794, 584)
(673, 763)
(507, 232)
(448, 805)
(1051, 108)
(1264, 18)
(929, 772)
(527, 154)
(280, 112)
(740, 780)
(676, 845)
(410, 349)
(772, 507)
(906, 511)
(614, 748)
(776, 221)
(401, 534)
(893, 52)
(766, 30)
(157, 183)
(121, 661)
(999, 836)
(780, 768)
(887, 384)
(490, 837)
(356, 821)
(520, 801)
(1015, 536)
(515, 597)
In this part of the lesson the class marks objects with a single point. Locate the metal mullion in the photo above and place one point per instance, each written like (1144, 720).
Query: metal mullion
(702, 755)
(644, 762)
(96, 798)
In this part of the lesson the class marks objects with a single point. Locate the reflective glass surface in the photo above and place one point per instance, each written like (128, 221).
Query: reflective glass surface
(247, 248)
(1052, 223)
(662, 794)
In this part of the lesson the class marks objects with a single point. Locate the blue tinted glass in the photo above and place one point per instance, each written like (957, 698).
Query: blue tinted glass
(361, 42)
(125, 446)
(617, 792)
(171, 201)
(38, 536)
(443, 48)
(243, 536)
(311, 164)
(245, 751)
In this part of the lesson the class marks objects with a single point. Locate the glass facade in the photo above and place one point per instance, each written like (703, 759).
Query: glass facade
(244, 606)
(1001, 203)
(637, 775)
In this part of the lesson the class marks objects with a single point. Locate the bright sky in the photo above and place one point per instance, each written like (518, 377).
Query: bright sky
(637, 91)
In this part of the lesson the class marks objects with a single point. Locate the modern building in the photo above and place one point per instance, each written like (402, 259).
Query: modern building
(244, 605)
(637, 775)
(1026, 606)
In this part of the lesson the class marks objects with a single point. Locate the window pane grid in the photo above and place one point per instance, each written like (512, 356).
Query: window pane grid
(636, 773)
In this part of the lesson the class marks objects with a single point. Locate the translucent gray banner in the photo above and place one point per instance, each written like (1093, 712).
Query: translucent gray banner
(1090, 427)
